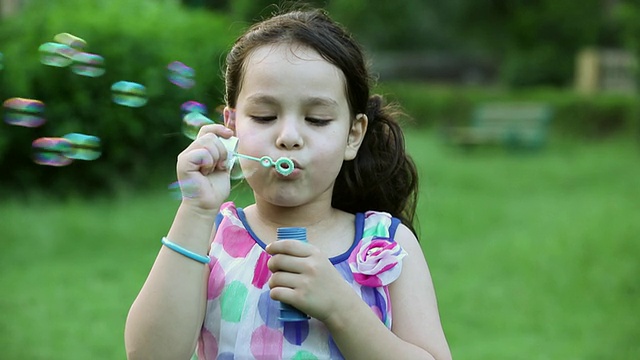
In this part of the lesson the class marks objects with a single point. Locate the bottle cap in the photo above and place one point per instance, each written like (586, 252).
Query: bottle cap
(292, 233)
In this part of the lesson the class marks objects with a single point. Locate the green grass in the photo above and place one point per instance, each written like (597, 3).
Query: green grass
(534, 256)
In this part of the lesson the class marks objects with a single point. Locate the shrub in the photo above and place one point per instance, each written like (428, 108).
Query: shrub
(137, 39)
(574, 114)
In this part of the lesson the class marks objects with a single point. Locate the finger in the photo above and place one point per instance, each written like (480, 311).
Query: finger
(284, 294)
(288, 263)
(213, 143)
(284, 279)
(217, 151)
(290, 247)
(199, 160)
(216, 129)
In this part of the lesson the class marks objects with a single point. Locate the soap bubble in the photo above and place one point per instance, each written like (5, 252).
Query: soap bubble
(83, 147)
(87, 64)
(1, 59)
(193, 106)
(192, 122)
(51, 151)
(220, 111)
(54, 54)
(128, 93)
(70, 40)
(24, 112)
(183, 189)
(181, 75)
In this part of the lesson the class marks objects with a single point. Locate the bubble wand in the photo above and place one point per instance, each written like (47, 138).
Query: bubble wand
(283, 165)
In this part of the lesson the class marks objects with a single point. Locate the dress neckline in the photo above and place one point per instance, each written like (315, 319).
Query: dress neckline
(359, 224)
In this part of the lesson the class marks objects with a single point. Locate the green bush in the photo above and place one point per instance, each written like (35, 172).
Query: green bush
(137, 39)
(574, 114)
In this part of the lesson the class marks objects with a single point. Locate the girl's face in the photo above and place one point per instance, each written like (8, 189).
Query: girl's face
(293, 103)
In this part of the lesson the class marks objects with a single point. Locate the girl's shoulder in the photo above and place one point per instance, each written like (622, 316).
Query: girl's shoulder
(228, 210)
(378, 224)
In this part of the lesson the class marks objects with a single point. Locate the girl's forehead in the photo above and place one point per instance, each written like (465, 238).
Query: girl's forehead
(293, 52)
(291, 69)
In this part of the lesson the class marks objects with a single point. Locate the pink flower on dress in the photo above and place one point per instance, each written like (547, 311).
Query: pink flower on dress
(376, 263)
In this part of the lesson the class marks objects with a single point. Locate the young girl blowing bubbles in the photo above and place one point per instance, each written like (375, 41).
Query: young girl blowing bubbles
(296, 87)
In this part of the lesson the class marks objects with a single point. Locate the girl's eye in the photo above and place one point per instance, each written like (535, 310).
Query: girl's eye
(318, 122)
(263, 118)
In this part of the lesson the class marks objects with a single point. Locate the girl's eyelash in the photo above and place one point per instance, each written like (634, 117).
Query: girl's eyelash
(318, 122)
(263, 118)
(313, 121)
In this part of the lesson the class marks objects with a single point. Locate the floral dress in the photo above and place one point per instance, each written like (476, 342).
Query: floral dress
(241, 320)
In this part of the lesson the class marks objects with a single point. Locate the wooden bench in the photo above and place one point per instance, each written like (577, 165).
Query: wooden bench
(513, 125)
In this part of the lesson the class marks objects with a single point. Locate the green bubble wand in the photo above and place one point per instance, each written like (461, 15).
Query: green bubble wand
(283, 165)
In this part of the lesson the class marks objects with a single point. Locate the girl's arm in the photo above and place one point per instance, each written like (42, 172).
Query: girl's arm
(416, 329)
(166, 317)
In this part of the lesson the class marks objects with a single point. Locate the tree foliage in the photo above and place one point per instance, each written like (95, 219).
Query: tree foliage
(137, 40)
(535, 42)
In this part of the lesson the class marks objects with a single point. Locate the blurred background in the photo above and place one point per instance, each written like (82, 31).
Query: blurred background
(523, 118)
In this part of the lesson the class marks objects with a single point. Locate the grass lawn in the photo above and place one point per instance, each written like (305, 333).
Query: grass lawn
(534, 256)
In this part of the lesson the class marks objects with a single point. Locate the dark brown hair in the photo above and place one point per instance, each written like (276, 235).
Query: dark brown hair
(382, 177)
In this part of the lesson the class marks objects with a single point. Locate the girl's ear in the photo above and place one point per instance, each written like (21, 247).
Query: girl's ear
(356, 135)
(229, 115)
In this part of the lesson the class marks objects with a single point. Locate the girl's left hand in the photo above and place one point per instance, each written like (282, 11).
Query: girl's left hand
(304, 277)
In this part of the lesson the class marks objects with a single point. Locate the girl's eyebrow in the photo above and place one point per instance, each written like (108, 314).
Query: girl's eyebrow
(321, 100)
(262, 99)
(311, 101)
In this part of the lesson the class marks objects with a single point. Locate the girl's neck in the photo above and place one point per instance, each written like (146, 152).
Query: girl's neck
(331, 230)
(308, 215)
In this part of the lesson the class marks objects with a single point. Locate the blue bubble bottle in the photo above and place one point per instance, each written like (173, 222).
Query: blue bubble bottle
(288, 312)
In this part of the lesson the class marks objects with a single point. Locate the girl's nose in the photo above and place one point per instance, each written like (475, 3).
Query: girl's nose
(289, 136)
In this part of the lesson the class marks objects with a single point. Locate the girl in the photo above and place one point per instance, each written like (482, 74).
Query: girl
(296, 87)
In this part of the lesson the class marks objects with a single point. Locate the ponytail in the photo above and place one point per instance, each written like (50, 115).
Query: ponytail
(382, 177)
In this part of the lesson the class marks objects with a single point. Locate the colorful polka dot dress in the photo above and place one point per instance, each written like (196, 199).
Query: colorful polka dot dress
(241, 320)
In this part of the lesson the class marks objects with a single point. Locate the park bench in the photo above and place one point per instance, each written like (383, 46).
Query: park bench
(513, 125)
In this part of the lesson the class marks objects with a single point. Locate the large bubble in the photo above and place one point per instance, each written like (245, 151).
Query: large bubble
(51, 151)
(193, 106)
(128, 93)
(70, 40)
(24, 112)
(83, 147)
(192, 122)
(181, 75)
(87, 64)
(54, 54)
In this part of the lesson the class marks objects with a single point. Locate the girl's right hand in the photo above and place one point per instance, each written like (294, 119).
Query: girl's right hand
(202, 169)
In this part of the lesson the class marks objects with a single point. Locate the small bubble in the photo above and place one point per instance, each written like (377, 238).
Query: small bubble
(87, 64)
(70, 40)
(83, 147)
(24, 112)
(220, 112)
(239, 173)
(192, 122)
(193, 106)
(51, 151)
(54, 54)
(236, 172)
(181, 75)
(183, 189)
(128, 93)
